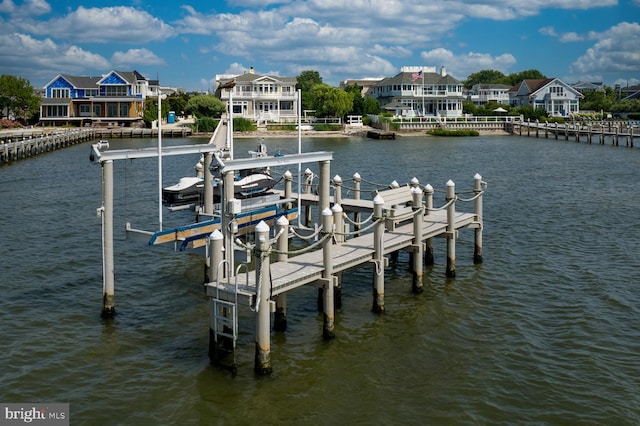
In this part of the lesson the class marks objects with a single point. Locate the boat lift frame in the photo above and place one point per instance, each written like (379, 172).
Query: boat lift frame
(100, 155)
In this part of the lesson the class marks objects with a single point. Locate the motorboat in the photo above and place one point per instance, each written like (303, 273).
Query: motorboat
(247, 184)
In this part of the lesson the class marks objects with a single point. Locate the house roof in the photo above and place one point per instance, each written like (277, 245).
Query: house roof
(252, 77)
(407, 78)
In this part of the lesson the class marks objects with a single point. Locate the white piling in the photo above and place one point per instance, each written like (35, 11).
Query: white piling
(328, 327)
(477, 190)
(416, 254)
(280, 317)
(428, 252)
(262, 362)
(108, 281)
(378, 260)
(451, 229)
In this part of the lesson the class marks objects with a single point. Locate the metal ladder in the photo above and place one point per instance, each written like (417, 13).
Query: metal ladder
(225, 313)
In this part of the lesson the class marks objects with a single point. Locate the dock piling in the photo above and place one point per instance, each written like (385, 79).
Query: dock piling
(106, 211)
(280, 316)
(428, 251)
(451, 229)
(416, 253)
(477, 190)
(328, 326)
(262, 363)
(378, 259)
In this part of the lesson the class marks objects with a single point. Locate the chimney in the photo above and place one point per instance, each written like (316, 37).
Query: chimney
(443, 71)
(252, 71)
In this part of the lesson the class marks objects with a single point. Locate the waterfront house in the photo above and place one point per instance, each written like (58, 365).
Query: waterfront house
(556, 97)
(481, 94)
(585, 86)
(260, 98)
(114, 99)
(420, 91)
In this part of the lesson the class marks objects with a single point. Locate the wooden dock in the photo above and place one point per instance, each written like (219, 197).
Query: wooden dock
(399, 220)
(380, 134)
(23, 144)
(603, 133)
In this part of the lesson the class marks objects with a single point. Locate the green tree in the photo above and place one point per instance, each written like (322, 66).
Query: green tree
(515, 78)
(358, 101)
(205, 106)
(17, 98)
(305, 82)
(484, 77)
(150, 113)
(330, 101)
(371, 106)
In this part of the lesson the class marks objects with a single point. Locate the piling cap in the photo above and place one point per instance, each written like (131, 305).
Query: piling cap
(308, 172)
(337, 208)
(327, 212)
(288, 175)
(216, 235)
(477, 176)
(428, 187)
(337, 179)
(356, 176)
(450, 183)
(416, 190)
(262, 227)
(378, 200)
(394, 184)
(282, 221)
(415, 181)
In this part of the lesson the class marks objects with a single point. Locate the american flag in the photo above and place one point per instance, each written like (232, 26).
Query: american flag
(416, 75)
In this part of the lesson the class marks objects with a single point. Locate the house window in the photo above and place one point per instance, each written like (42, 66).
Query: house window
(57, 111)
(85, 110)
(59, 93)
(115, 90)
(557, 90)
(112, 109)
(91, 92)
(124, 110)
(97, 110)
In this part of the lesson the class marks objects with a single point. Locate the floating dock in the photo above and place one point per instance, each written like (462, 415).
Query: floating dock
(603, 133)
(380, 134)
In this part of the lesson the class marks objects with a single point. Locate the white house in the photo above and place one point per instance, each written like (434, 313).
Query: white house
(481, 94)
(260, 97)
(551, 94)
(420, 91)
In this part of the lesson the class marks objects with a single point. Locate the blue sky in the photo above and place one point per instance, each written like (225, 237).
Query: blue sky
(185, 43)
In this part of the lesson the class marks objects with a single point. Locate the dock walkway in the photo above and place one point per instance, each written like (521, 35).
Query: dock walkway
(308, 267)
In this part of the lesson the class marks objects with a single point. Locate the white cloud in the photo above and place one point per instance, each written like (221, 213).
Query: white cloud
(45, 57)
(460, 66)
(136, 57)
(106, 25)
(28, 7)
(616, 50)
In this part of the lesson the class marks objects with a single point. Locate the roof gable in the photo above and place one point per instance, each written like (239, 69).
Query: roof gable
(113, 78)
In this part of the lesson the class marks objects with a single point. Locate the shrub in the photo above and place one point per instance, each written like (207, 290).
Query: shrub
(442, 132)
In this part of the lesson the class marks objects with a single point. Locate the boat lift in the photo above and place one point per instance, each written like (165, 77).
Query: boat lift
(230, 206)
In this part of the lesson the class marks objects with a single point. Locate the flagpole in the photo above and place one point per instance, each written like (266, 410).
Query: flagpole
(423, 112)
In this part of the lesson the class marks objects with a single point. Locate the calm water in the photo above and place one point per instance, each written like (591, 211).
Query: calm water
(545, 331)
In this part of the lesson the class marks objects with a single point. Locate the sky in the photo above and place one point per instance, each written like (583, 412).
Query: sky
(186, 43)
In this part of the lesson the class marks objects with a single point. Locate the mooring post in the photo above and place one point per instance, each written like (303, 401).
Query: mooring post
(328, 327)
(339, 238)
(378, 259)
(356, 196)
(477, 190)
(308, 177)
(451, 229)
(282, 229)
(428, 251)
(262, 363)
(528, 127)
(216, 254)
(416, 253)
(337, 191)
(106, 211)
(537, 128)
(288, 192)
(208, 183)
(556, 131)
